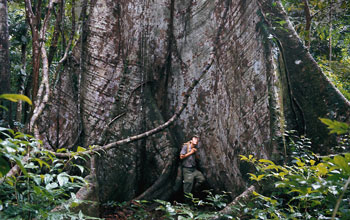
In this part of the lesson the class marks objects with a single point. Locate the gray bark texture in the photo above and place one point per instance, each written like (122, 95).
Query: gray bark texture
(131, 71)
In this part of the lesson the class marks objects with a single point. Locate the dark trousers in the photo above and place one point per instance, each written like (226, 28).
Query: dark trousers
(191, 176)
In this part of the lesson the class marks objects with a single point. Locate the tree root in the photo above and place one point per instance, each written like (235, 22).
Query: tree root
(245, 196)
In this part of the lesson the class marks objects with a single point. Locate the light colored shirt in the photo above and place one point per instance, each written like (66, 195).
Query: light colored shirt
(189, 161)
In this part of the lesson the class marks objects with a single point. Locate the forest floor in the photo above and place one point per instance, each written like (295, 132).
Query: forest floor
(156, 210)
(134, 210)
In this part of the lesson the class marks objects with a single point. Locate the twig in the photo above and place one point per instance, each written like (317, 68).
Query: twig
(242, 197)
(340, 198)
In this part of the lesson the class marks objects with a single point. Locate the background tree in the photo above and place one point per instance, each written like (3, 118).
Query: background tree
(324, 25)
(4, 60)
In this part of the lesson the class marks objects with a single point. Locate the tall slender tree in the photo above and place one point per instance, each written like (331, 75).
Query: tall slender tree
(4, 57)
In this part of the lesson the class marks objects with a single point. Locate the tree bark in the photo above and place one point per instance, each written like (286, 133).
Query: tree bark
(244, 197)
(308, 19)
(4, 49)
(34, 22)
(4, 60)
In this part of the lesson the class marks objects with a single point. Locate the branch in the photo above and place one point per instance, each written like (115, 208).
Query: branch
(159, 182)
(14, 170)
(46, 20)
(340, 198)
(38, 110)
(71, 35)
(55, 35)
(30, 13)
(65, 55)
(242, 197)
(45, 81)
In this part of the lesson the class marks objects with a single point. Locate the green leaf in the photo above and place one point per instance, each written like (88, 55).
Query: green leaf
(336, 126)
(4, 167)
(19, 163)
(312, 162)
(81, 215)
(321, 169)
(41, 162)
(47, 178)
(80, 149)
(16, 98)
(266, 161)
(3, 107)
(30, 166)
(80, 167)
(61, 150)
(71, 179)
(62, 179)
(243, 157)
(270, 167)
(282, 174)
(74, 204)
(7, 129)
(341, 163)
(256, 178)
(37, 180)
(51, 186)
(347, 156)
(37, 190)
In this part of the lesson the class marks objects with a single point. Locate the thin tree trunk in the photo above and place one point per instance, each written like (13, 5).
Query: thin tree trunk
(308, 19)
(4, 59)
(22, 82)
(330, 32)
(4, 49)
(56, 34)
(34, 22)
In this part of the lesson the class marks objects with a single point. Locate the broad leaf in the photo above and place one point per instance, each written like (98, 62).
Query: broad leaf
(16, 98)
(336, 126)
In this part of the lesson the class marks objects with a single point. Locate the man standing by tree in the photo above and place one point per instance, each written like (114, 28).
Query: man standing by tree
(191, 175)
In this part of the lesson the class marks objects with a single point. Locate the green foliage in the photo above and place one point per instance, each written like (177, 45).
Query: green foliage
(311, 187)
(42, 184)
(320, 25)
(194, 209)
(336, 126)
(197, 209)
(14, 98)
(305, 188)
(328, 32)
(298, 146)
(21, 42)
(339, 73)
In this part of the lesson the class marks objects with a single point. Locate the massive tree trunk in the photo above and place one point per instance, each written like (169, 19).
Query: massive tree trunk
(130, 73)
